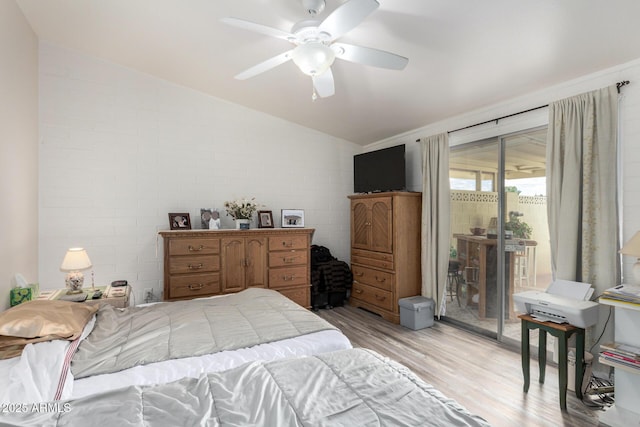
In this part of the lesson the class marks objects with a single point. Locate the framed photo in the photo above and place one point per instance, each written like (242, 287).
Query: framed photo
(179, 221)
(209, 219)
(292, 218)
(265, 219)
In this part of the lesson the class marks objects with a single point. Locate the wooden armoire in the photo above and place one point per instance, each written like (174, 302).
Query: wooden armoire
(385, 250)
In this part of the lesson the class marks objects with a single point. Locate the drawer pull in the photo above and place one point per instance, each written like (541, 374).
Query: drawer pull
(287, 278)
(196, 266)
(381, 280)
(359, 273)
(288, 260)
(196, 286)
(358, 291)
(199, 248)
(287, 245)
(379, 298)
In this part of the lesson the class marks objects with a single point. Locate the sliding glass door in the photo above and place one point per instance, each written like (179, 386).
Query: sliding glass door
(499, 230)
(473, 264)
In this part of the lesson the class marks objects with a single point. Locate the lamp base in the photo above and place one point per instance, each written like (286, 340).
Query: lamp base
(74, 282)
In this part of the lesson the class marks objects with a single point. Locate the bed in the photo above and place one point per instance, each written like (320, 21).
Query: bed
(158, 344)
(341, 388)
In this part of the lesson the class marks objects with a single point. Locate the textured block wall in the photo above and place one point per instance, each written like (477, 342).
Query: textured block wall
(119, 150)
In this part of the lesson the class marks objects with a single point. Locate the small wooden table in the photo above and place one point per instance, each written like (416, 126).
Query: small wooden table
(121, 301)
(480, 253)
(562, 331)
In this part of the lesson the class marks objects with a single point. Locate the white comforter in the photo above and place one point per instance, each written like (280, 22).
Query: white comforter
(43, 374)
(354, 387)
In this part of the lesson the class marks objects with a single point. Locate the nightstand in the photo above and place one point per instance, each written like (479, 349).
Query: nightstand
(121, 300)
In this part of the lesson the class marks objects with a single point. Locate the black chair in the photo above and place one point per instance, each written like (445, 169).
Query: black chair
(454, 280)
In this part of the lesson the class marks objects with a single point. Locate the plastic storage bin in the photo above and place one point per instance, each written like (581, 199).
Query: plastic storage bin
(416, 312)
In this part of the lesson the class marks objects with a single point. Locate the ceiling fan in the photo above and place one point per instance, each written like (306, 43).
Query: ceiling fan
(315, 47)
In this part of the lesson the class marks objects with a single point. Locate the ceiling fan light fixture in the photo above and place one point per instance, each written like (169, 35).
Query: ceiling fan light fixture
(313, 58)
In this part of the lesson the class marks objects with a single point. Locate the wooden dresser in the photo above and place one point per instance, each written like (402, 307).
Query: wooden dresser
(385, 251)
(201, 263)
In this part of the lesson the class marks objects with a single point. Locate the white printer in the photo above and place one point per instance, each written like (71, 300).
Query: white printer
(563, 302)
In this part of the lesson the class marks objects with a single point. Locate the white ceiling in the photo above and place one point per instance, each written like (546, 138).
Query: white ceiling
(463, 54)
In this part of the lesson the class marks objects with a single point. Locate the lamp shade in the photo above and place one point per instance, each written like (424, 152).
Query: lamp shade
(632, 247)
(313, 58)
(75, 259)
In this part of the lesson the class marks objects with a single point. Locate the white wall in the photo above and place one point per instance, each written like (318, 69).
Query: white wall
(629, 137)
(18, 149)
(121, 149)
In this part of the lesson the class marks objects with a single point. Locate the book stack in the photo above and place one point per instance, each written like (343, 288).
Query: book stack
(621, 355)
(629, 294)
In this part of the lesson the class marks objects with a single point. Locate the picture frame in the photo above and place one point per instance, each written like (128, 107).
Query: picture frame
(209, 219)
(292, 218)
(180, 221)
(265, 219)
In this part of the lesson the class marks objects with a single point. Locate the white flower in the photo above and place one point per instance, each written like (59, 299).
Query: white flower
(241, 208)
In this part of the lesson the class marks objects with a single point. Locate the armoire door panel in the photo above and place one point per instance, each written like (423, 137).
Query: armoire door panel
(381, 225)
(360, 225)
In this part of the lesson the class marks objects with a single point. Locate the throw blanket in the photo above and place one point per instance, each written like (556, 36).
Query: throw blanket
(354, 387)
(139, 335)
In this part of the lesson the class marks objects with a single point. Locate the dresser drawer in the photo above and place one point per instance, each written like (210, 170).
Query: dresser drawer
(194, 285)
(193, 264)
(285, 258)
(371, 258)
(299, 295)
(194, 246)
(279, 243)
(377, 278)
(285, 277)
(373, 296)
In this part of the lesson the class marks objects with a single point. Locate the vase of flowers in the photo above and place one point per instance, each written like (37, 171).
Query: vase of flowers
(242, 210)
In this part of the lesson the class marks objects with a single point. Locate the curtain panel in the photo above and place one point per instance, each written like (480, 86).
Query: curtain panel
(581, 188)
(436, 220)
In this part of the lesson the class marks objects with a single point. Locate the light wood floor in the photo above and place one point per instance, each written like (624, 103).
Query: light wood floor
(481, 374)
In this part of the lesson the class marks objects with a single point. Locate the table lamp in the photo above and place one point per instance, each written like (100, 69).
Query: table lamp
(632, 248)
(75, 260)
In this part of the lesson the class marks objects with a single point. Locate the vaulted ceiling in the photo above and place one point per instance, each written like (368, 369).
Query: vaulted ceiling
(463, 54)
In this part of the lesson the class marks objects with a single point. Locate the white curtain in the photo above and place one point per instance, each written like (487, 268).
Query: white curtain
(436, 222)
(581, 188)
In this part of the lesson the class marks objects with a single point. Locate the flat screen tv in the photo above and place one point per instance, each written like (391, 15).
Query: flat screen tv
(378, 171)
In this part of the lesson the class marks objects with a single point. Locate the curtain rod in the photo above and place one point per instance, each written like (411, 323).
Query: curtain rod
(618, 86)
(622, 83)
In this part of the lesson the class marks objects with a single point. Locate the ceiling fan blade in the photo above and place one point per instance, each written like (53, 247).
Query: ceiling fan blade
(258, 28)
(346, 17)
(265, 65)
(324, 84)
(369, 56)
